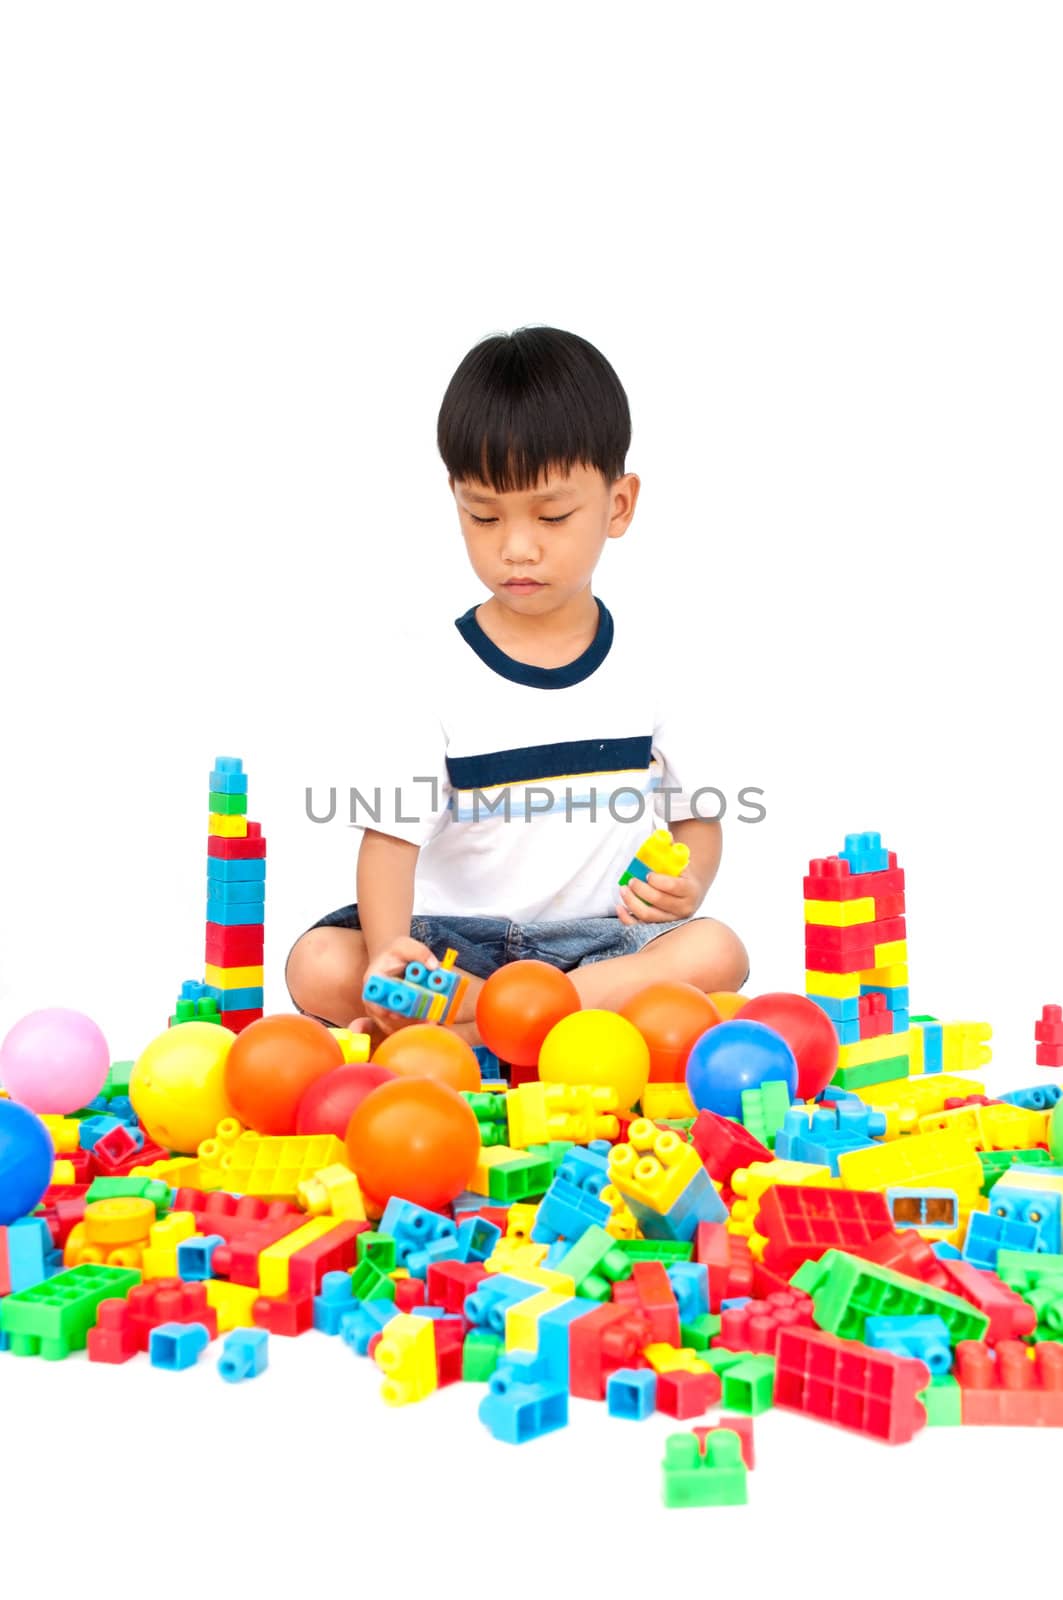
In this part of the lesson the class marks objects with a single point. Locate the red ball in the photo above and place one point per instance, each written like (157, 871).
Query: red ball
(330, 1102)
(415, 1138)
(272, 1064)
(519, 1004)
(808, 1031)
(425, 1050)
(670, 1016)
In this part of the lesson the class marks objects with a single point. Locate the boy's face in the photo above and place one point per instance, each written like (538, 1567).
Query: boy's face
(535, 549)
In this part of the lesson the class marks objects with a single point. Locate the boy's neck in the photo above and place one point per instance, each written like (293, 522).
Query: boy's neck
(551, 639)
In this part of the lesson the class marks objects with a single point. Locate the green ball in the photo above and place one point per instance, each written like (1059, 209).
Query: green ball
(1055, 1132)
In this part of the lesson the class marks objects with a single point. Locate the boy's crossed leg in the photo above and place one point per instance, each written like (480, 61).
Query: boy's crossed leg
(326, 970)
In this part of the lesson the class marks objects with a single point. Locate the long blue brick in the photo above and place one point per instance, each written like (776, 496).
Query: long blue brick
(220, 870)
(234, 916)
(237, 999)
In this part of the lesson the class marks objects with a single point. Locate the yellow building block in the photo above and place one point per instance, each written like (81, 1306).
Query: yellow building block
(63, 1172)
(654, 1166)
(234, 977)
(512, 1255)
(406, 1354)
(882, 1048)
(233, 1302)
(181, 1172)
(1000, 1127)
(893, 975)
(750, 1183)
(839, 913)
(267, 1167)
(893, 953)
(520, 1220)
(667, 1358)
(275, 1260)
(541, 1112)
(493, 1155)
(912, 1098)
(937, 1160)
(355, 1046)
(223, 827)
(965, 1046)
(621, 1223)
(333, 1192)
(667, 1101)
(522, 1319)
(833, 985)
(159, 1258)
(660, 854)
(64, 1131)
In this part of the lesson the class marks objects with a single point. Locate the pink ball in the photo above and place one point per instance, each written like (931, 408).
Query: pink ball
(54, 1061)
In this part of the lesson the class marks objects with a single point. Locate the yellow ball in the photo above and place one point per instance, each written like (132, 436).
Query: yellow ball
(598, 1048)
(177, 1085)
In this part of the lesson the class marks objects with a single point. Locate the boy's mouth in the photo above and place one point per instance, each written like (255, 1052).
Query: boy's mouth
(523, 583)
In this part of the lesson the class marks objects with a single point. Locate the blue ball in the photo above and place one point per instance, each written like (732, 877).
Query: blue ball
(26, 1158)
(733, 1056)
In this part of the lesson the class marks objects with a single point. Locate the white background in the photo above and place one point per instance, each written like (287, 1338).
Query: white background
(244, 248)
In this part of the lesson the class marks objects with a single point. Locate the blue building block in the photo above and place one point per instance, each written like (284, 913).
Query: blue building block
(235, 869)
(988, 1234)
(821, 1135)
(194, 1257)
(946, 1251)
(121, 1106)
(228, 776)
(477, 1238)
(837, 1010)
(1038, 1207)
(249, 999)
(447, 1248)
(925, 1338)
(896, 998)
(173, 1346)
(933, 1045)
(923, 1207)
(690, 1285)
(93, 1128)
(29, 1247)
(572, 1201)
(522, 1401)
(433, 1313)
(332, 1303)
(234, 916)
(193, 989)
(360, 1326)
(1038, 1097)
(631, 1394)
(698, 1202)
(244, 1354)
(864, 853)
(486, 1307)
(490, 1066)
(236, 891)
(415, 1229)
(736, 1302)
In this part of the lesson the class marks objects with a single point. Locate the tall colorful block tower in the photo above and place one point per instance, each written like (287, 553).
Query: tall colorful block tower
(236, 902)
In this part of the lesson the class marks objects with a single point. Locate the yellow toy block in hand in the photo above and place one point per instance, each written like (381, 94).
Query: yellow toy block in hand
(406, 1354)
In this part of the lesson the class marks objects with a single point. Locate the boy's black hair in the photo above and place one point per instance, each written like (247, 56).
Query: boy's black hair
(523, 402)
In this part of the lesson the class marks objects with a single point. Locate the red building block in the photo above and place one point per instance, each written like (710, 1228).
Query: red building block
(237, 1021)
(1006, 1388)
(819, 960)
(905, 1251)
(1010, 1317)
(724, 1146)
(409, 1292)
(334, 1252)
(602, 1342)
(238, 1260)
(239, 946)
(449, 1282)
(250, 848)
(288, 1314)
(801, 1224)
(756, 1327)
(850, 942)
(741, 1425)
(123, 1327)
(1049, 1036)
(830, 879)
(116, 1153)
(729, 1262)
(449, 1338)
(838, 1380)
(767, 1282)
(687, 1394)
(650, 1291)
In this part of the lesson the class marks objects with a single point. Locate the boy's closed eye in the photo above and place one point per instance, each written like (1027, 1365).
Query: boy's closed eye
(485, 522)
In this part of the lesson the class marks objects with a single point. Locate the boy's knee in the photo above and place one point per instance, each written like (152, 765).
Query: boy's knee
(723, 959)
(324, 973)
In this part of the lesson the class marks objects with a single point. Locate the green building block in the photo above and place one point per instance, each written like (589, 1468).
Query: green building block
(379, 1248)
(996, 1162)
(699, 1334)
(722, 1360)
(368, 1282)
(669, 1251)
(764, 1110)
(490, 1113)
(846, 1291)
(1039, 1280)
(943, 1402)
(117, 1080)
(717, 1478)
(228, 805)
(54, 1317)
(871, 1072)
(160, 1194)
(205, 1010)
(554, 1152)
(749, 1385)
(521, 1179)
(480, 1355)
(595, 1263)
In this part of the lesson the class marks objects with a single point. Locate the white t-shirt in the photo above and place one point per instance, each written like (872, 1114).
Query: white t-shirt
(502, 762)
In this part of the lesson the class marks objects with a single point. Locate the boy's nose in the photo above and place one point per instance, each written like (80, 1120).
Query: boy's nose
(520, 544)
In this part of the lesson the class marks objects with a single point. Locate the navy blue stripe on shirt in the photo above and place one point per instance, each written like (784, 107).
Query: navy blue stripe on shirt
(535, 763)
(565, 677)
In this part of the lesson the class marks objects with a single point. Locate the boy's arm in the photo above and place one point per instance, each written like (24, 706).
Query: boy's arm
(662, 898)
(386, 867)
(704, 840)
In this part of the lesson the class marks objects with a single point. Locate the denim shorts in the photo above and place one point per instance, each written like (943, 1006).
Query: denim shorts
(484, 944)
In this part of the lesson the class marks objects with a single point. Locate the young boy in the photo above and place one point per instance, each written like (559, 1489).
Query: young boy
(522, 782)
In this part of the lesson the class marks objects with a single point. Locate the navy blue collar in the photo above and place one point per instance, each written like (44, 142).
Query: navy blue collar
(538, 677)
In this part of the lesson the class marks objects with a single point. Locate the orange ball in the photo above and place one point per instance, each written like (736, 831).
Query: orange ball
(728, 1004)
(670, 1016)
(271, 1065)
(519, 1004)
(425, 1050)
(415, 1138)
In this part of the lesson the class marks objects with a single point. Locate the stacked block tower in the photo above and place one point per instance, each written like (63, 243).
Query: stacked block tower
(856, 961)
(232, 992)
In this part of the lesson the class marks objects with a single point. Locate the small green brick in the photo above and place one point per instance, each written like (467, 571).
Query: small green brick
(749, 1386)
(871, 1072)
(117, 1081)
(480, 1356)
(160, 1194)
(764, 1110)
(379, 1248)
(670, 1251)
(228, 805)
(699, 1334)
(944, 1403)
(521, 1179)
(369, 1283)
(717, 1478)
